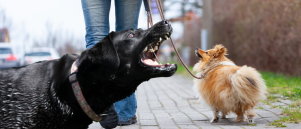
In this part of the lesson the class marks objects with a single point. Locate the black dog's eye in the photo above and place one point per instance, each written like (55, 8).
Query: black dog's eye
(131, 36)
(206, 52)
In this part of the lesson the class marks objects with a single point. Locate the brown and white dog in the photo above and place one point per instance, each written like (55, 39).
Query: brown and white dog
(226, 87)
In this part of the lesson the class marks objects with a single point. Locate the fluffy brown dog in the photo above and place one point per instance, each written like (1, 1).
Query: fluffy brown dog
(226, 87)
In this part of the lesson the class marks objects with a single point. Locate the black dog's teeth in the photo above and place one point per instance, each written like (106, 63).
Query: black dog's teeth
(155, 45)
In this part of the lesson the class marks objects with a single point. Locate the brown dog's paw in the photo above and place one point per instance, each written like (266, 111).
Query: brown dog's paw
(215, 120)
(250, 120)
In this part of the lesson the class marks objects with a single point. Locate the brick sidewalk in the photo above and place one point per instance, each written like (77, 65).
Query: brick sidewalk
(169, 103)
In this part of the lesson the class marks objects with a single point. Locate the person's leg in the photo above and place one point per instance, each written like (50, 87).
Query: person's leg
(126, 110)
(96, 14)
(127, 14)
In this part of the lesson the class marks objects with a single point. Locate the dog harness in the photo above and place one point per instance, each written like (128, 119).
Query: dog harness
(79, 95)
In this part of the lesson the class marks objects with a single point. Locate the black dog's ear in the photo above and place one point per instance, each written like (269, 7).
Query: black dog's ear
(105, 53)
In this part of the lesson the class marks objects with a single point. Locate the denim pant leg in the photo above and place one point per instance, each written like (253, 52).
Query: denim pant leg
(96, 14)
(127, 14)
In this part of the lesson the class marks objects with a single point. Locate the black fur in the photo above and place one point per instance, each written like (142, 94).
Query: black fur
(40, 96)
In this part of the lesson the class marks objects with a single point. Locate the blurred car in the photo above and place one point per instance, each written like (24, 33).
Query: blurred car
(40, 54)
(7, 57)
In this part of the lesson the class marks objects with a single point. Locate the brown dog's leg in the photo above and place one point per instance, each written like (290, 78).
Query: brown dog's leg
(215, 115)
(240, 117)
(224, 114)
(250, 115)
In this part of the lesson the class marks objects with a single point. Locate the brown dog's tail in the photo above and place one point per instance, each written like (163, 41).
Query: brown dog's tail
(248, 85)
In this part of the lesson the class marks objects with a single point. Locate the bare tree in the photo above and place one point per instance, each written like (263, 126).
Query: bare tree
(62, 40)
(5, 22)
(186, 5)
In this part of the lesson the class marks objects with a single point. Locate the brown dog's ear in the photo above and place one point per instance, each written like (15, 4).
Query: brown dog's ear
(220, 50)
(104, 53)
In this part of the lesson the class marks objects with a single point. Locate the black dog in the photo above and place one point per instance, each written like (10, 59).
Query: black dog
(40, 95)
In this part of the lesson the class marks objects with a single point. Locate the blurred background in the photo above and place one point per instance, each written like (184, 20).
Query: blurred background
(262, 34)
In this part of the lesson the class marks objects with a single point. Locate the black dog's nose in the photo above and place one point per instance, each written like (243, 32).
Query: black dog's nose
(166, 22)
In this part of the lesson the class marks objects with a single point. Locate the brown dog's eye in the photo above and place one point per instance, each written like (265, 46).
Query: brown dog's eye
(206, 52)
(131, 36)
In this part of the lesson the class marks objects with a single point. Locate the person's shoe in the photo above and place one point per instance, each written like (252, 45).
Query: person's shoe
(112, 120)
(132, 121)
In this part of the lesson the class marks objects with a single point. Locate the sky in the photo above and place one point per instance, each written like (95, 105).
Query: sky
(30, 18)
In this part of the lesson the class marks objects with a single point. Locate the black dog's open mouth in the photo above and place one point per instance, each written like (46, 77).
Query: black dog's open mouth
(149, 54)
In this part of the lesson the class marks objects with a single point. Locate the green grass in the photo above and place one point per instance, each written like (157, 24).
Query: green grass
(277, 124)
(296, 104)
(293, 113)
(251, 124)
(287, 86)
(182, 70)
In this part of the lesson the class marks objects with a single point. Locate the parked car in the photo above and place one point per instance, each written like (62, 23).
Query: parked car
(8, 58)
(40, 54)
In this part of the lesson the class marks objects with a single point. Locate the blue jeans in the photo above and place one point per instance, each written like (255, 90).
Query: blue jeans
(96, 14)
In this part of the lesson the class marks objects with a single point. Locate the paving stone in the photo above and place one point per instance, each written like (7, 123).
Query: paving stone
(169, 127)
(276, 110)
(258, 127)
(266, 106)
(266, 114)
(148, 122)
(135, 126)
(202, 123)
(181, 121)
(230, 127)
(222, 122)
(260, 121)
(188, 127)
(286, 101)
(149, 127)
(209, 127)
(199, 117)
(167, 123)
(278, 104)
(293, 126)
(272, 119)
(232, 121)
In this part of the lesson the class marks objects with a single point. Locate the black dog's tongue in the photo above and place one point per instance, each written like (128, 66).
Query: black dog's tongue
(149, 58)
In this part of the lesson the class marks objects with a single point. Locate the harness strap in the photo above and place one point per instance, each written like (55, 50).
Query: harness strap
(80, 97)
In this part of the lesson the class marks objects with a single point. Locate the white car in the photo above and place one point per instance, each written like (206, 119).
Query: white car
(40, 54)
(8, 58)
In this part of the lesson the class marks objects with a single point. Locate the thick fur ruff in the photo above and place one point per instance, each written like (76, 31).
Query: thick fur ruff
(226, 87)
